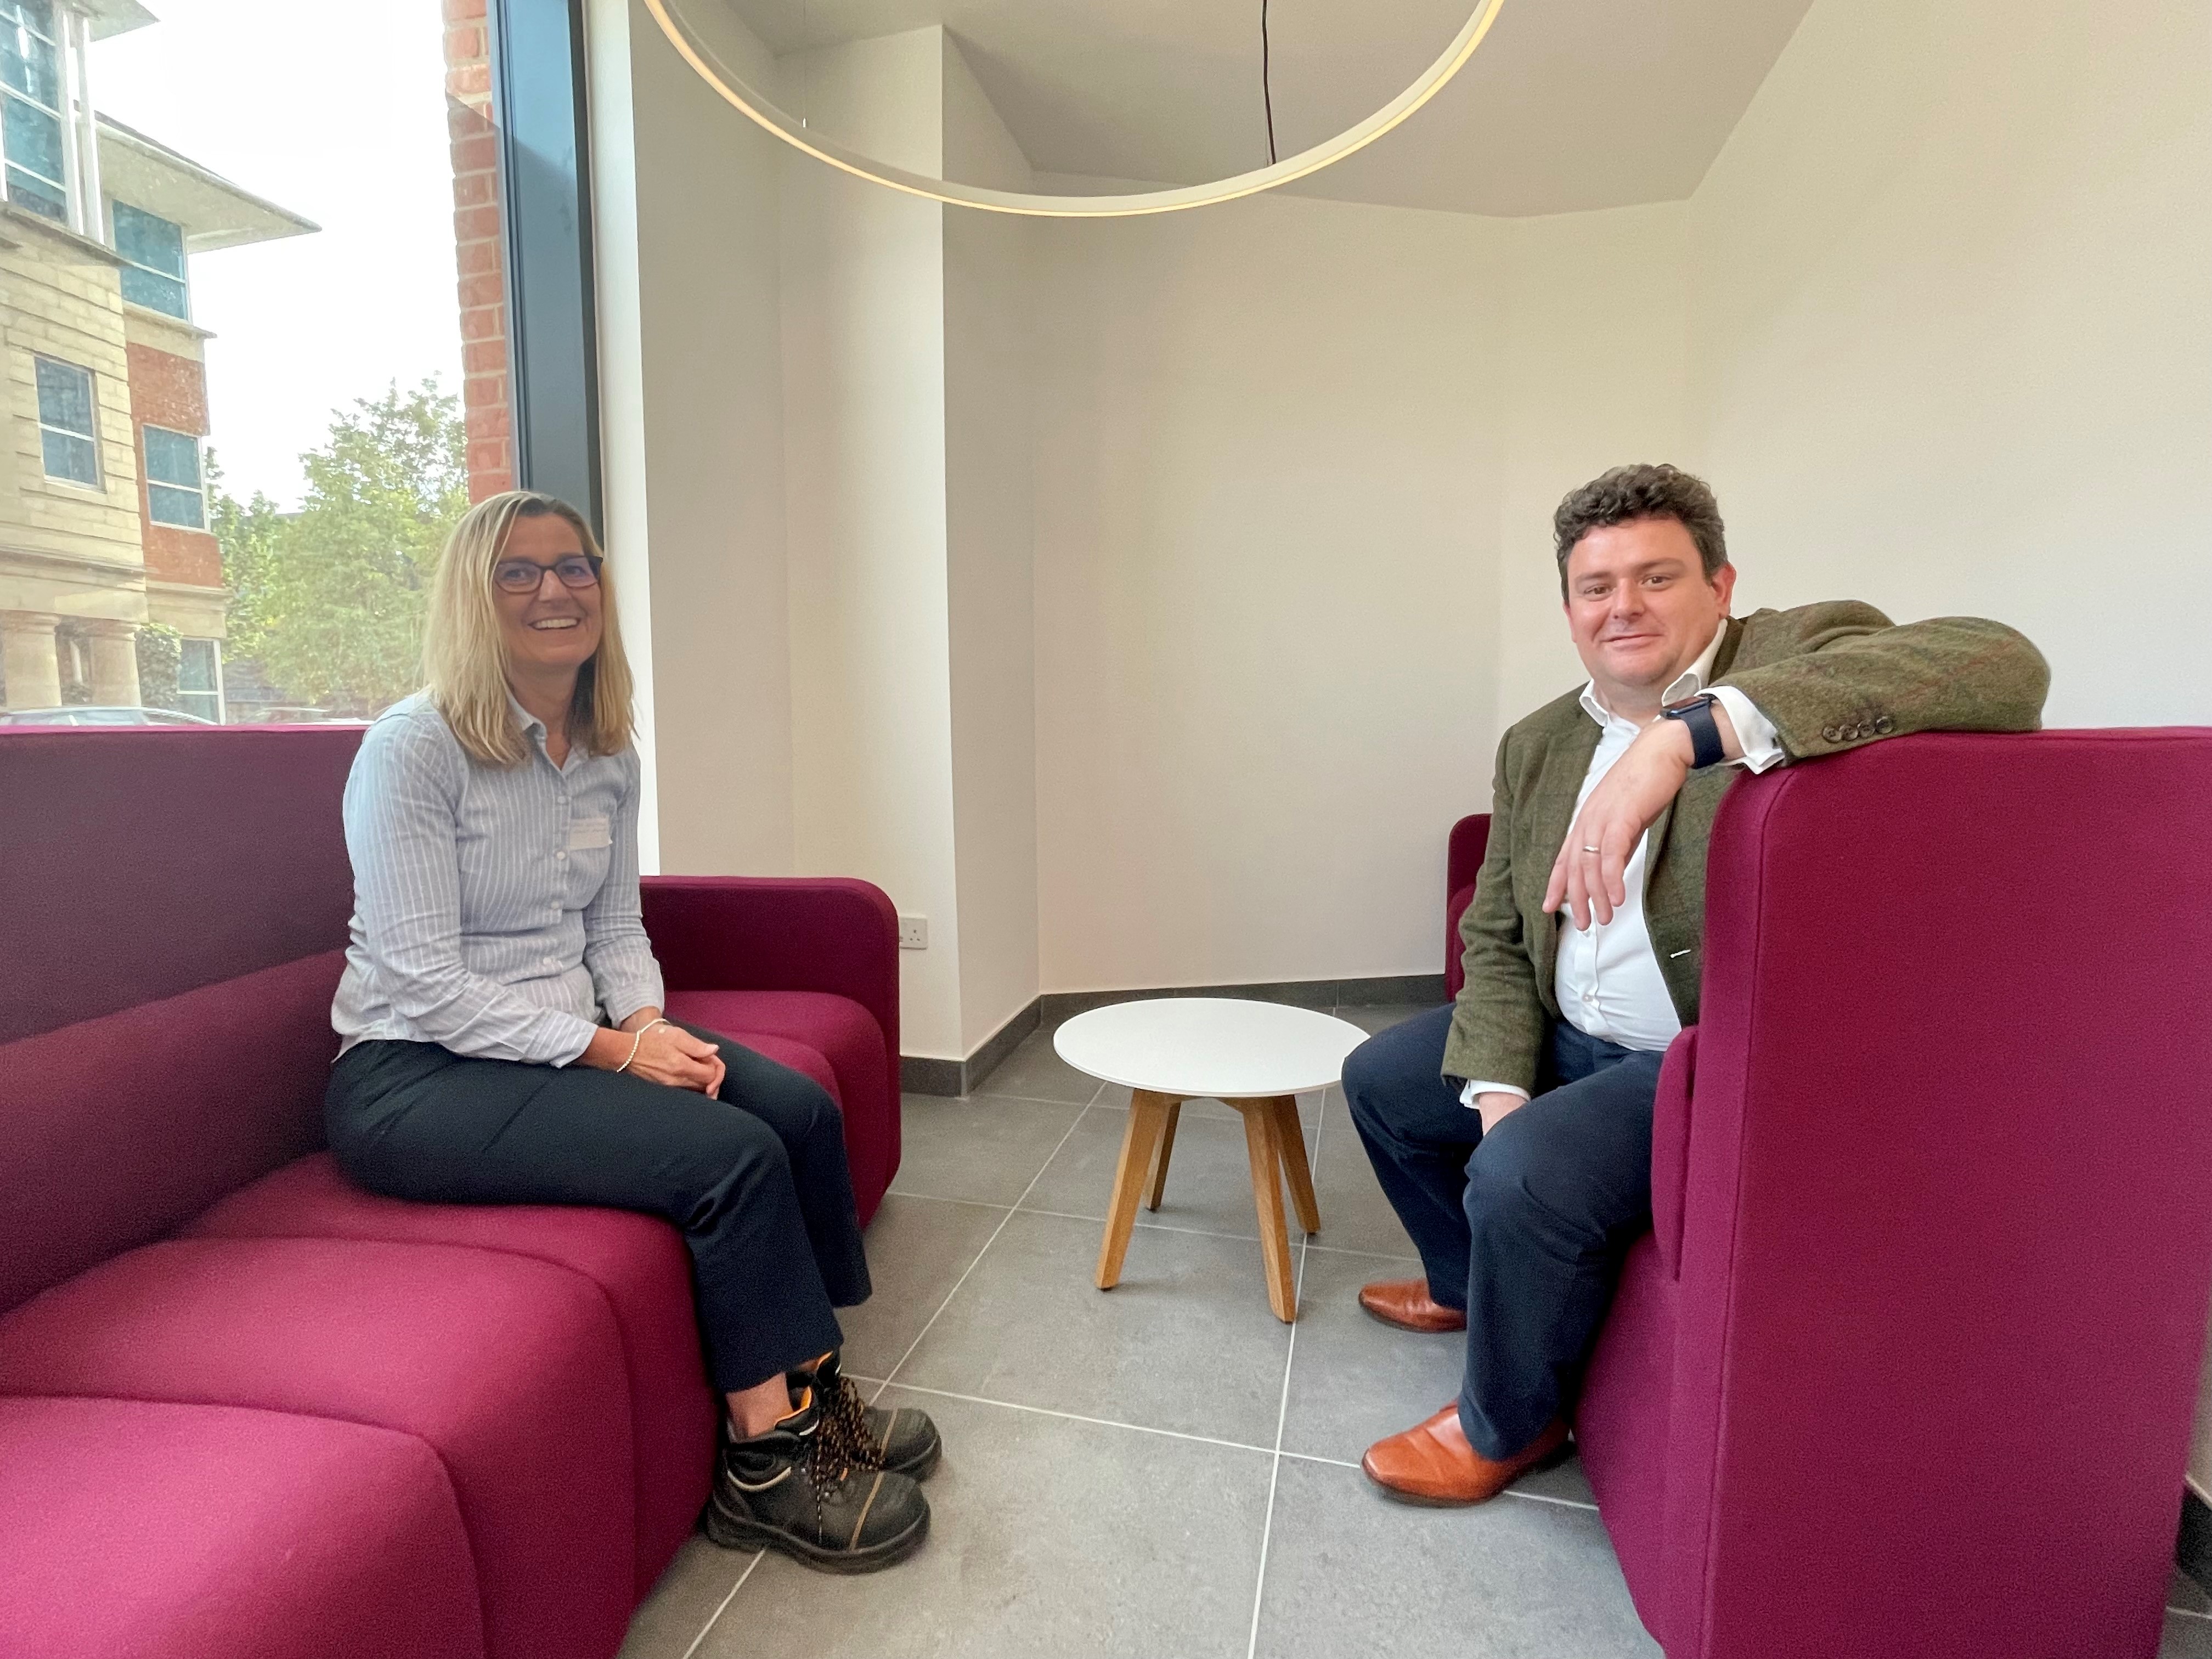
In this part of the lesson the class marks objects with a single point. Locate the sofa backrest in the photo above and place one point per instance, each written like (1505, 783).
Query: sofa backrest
(1947, 1206)
(174, 904)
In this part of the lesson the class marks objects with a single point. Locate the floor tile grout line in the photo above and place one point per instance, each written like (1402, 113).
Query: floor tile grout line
(1156, 1226)
(2187, 1612)
(723, 1605)
(1078, 1417)
(983, 1095)
(1003, 1221)
(1282, 1410)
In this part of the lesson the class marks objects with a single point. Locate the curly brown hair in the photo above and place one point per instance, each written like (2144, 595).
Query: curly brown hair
(1641, 491)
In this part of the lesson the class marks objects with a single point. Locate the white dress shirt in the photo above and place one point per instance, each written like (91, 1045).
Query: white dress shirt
(495, 909)
(1607, 980)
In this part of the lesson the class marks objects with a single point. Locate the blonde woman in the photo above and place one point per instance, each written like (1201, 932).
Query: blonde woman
(503, 1041)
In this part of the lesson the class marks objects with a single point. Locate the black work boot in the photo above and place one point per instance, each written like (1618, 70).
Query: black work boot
(791, 1490)
(903, 1440)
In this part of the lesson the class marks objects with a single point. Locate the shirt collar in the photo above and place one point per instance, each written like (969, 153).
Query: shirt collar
(1687, 683)
(532, 725)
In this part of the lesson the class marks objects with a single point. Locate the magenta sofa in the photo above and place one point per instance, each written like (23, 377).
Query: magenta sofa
(246, 1410)
(1905, 1368)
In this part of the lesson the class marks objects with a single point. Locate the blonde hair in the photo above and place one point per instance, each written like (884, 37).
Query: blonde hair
(465, 652)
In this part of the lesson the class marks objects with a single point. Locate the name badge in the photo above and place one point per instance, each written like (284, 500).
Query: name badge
(587, 833)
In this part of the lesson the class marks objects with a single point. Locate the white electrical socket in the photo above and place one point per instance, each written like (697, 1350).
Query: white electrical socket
(914, 933)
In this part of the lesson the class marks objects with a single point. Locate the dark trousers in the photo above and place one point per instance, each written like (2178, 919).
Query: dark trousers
(756, 1179)
(1524, 1227)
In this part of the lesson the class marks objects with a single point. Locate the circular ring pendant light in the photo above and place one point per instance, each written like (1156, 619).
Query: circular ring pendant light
(751, 102)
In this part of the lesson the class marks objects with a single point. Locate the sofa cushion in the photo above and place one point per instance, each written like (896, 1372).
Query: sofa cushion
(638, 1263)
(508, 1367)
(138, 1528)
(115, 1130)
(837, 1028)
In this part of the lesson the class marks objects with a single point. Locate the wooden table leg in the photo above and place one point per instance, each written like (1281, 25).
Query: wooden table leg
(1262, 1145)
(1291, 1133)
(1148, 1117)
(1167, 1150)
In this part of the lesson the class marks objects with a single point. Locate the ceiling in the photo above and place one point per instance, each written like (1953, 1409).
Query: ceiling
(1570, 105)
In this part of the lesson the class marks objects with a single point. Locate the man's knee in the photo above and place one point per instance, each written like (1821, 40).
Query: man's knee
(1517, 1171)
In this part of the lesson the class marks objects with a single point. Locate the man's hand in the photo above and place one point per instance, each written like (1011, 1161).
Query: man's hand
(1589, 877)
(1494, 1106)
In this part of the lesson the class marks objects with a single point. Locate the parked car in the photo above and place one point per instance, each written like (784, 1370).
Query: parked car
(85, 716)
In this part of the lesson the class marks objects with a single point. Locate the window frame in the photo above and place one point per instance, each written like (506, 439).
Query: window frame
(8, 164)
(214, 661)
(98, 485)
(199, 468)
(181, 277)
(540, 94)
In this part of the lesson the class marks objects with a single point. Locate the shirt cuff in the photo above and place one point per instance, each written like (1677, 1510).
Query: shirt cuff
(1467, 1096)
(1762, 745)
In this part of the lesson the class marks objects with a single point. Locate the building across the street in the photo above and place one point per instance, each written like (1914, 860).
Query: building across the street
(104, 508)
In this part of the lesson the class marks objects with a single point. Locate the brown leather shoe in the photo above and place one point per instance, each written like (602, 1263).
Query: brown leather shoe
(1434, 1464)
(1406, 1304)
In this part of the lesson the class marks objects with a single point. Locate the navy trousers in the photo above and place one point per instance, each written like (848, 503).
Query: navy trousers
(755, 1179)
(1524, 1228)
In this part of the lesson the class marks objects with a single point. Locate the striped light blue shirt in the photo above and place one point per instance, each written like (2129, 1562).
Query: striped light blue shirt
(496, 909)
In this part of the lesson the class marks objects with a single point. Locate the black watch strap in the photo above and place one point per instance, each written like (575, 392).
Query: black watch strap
(1705, 748)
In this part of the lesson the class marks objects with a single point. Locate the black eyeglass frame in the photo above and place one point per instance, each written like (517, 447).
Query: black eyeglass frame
(592, 559)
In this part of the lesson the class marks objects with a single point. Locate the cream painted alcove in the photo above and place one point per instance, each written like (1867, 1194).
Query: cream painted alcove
(1141, 600)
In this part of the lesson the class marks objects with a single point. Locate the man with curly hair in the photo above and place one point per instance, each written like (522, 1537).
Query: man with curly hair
(1512, 1130)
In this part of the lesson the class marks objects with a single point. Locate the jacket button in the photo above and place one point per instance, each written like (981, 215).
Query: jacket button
(1885, 725)
(1832, 733)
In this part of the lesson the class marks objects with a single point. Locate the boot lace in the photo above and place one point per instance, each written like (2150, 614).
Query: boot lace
(845, 1426)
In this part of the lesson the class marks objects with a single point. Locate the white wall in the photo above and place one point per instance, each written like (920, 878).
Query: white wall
(1952, 281)
(691, 416)
(1266, 529)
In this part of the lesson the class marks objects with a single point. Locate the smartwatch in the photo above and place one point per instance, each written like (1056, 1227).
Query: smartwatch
(1705, 748)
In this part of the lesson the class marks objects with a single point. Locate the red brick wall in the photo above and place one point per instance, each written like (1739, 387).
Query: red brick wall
(479, 249)
(171, 390)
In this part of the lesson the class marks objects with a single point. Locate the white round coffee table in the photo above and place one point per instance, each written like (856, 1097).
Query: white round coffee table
(1256, 1056)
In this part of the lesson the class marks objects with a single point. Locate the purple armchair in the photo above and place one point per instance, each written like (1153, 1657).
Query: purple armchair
(1905, 1368)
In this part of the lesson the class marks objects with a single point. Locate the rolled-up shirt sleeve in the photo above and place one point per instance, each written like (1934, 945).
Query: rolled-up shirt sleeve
(402, 803)
(616, 951)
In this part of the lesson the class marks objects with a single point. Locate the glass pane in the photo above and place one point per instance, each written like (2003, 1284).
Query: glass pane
(344, 244)
(29, 62)
(36, 194)
(206, 704)
(65, 397)
(195, 668)
(34, 139)
(184, 509)
(172, 458)
(145, 239)
(163, 294)
(165, 505)
(69, 457)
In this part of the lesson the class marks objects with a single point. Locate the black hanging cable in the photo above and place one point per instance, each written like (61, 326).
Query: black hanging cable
(1266, 81)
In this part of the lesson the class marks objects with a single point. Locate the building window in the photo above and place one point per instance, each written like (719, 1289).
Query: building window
(65, 419)
(30, 108)
(199, 679)
(174, 494)
(156, 250)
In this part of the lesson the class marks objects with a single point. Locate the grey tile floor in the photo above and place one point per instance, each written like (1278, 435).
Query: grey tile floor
(1163, 1470)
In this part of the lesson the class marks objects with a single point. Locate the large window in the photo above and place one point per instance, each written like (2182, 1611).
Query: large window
(31, 106)
(66, 434)
(155, 249)
(173, 494)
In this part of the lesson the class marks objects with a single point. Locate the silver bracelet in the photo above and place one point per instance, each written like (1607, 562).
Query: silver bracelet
(635, 1041)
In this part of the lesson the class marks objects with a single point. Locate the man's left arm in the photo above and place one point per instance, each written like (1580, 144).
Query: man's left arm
(1844, 676)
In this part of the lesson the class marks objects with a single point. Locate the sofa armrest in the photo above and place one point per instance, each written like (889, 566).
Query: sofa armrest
(779, 934)
(1670, 1147)
(1454, 968)
(1470, 840)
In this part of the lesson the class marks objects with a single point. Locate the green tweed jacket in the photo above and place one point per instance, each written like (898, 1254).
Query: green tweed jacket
(1830, 677)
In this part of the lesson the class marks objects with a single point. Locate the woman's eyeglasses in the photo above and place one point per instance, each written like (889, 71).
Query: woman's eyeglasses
(527, 575)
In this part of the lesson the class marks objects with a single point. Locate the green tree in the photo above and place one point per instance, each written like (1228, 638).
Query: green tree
(329, 601)
(161, 653)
